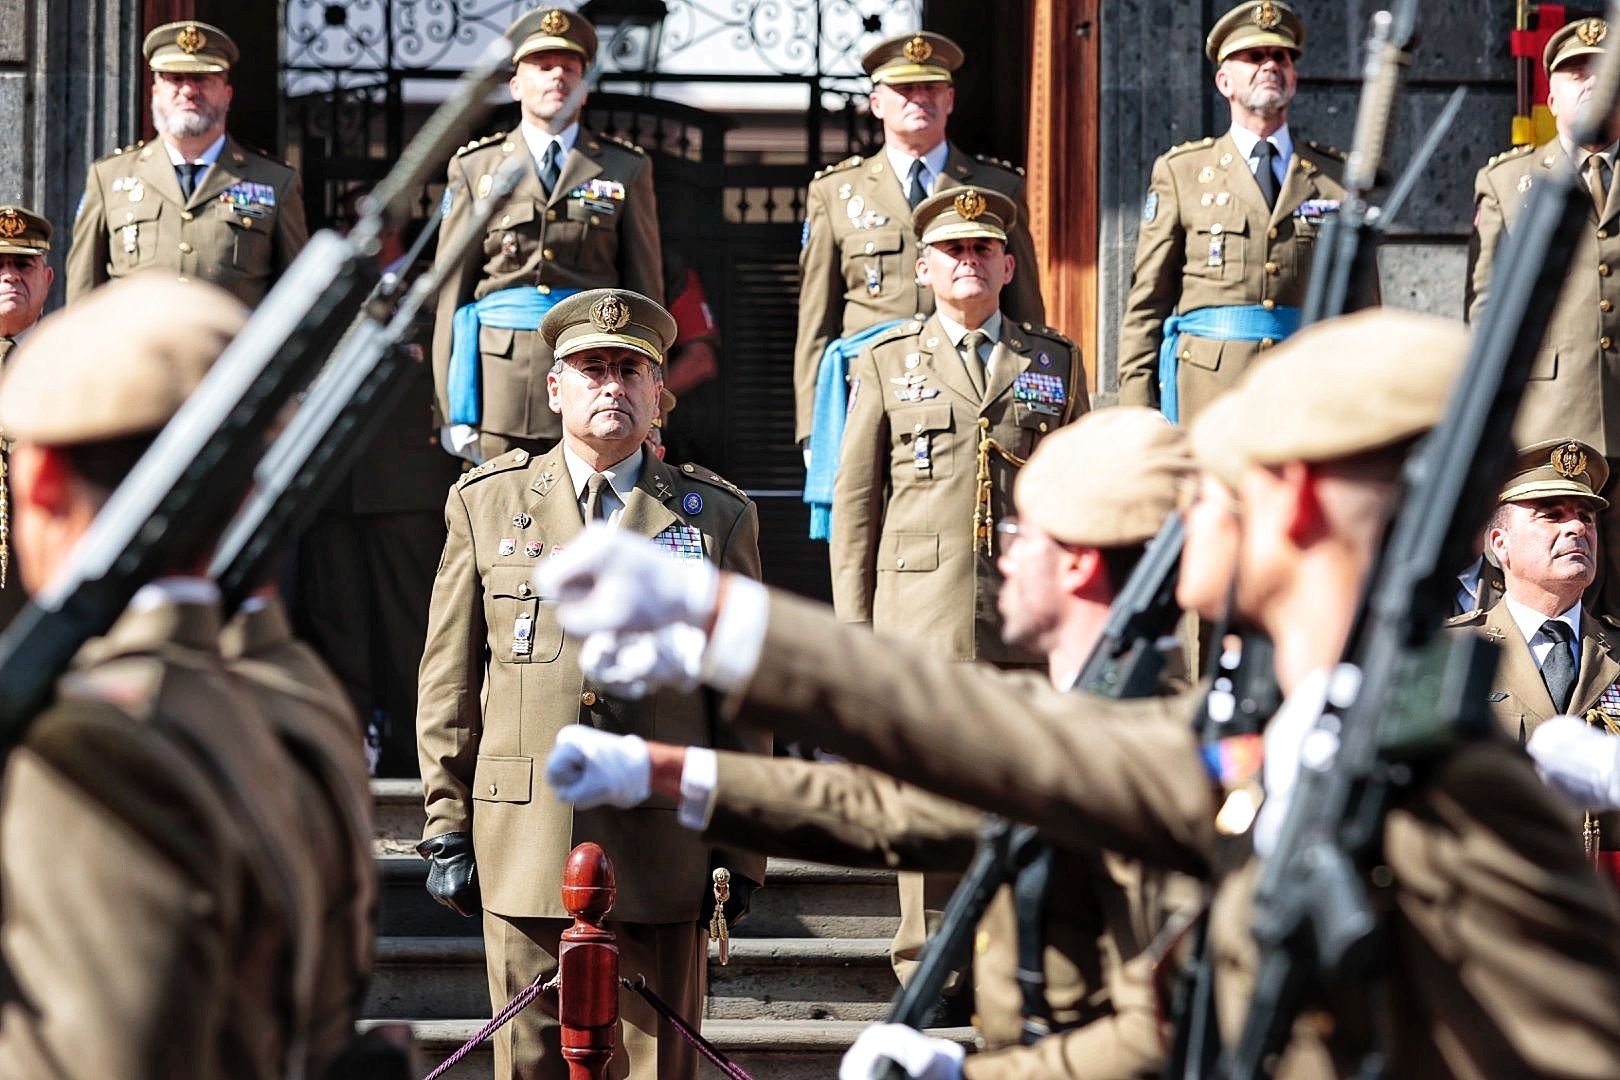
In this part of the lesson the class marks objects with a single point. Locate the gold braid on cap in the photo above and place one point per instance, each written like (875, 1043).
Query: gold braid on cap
(554, 22)
(917, 50)
(12, 224)
(609, 313)
(1569, 461)
(1591, 31)
(1266, 16)
(190, 39)
(970, 204)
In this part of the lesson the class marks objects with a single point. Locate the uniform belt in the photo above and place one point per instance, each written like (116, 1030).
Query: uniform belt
(519, 308)
(1237, 323)
(827, 432)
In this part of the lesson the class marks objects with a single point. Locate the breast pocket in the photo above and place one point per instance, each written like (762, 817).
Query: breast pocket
(135, 240)
(507, 238)
(922, 442)
(1217, 248)
(522, 630)
(875, 262)
(250, 241)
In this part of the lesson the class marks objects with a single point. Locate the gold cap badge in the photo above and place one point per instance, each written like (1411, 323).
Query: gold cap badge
(918, 50)
(970, 204)
(1266, 16)
(1569, 460)
(609, 313)
(1592, 31)
(554, 22)
(12, 224)
(190, 39)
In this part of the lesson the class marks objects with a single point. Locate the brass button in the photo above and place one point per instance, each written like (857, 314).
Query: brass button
(545, 290)
(917, 428)
(1605, 341)
(505, 221)
(1266, 343)
(545, 253)
(870, 247)
(1271, 233)
(523, 588)
(187, 215)
(1605, 305)
(185, 248)
(900, 563)
(1043, 425)
(1271, 268)
(492, 789)
(1603, 269)
(588, 698)
(247, 223)
(1186, 354)
(1603, 234)
(595, 220)
(1268, 304)
(1216, 229)
(551, 215)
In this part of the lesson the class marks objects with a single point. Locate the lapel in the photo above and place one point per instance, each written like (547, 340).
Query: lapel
(157, 174)
(552, 503)
(959, 170)
(1010, 361)
(943, 362)
(646, 511)
(583, 162)
(880, 190)
(1299, 184)
(1517, 673)
(1241, 183)
(1599, 667)
(228, 169)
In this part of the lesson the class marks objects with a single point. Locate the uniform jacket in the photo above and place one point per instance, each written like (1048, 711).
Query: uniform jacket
(311, 715)
(1207, 239)
(859, 257)
(156, 895)
(903, 555)
(1507, 958)
(240, 229)
(488, 713)
(598, 229)
(1571, 392)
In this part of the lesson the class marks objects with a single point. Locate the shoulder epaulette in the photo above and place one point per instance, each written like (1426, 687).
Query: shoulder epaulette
(999, 163)
(1467, 618)
(1047, 332)
(839, 166)
(485, 141)
(1328, 151)
(1191, 144)
(516, 459)
(626, 143)
(123, 150)
(909, 328)
(1609, 620)
(708, 476)
(1508, 155)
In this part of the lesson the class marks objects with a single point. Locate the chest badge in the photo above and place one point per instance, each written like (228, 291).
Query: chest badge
(508, 545)
(532, 549)
(486, 184)
(522, 634)
(522, 521)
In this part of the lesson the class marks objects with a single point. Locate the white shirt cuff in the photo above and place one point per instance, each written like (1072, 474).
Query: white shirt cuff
(739, 635)
(700, 775)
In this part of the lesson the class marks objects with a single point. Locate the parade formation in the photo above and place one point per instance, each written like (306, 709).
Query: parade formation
(1263, 721)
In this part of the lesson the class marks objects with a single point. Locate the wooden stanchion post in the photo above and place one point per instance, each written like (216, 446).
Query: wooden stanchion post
(588, 964)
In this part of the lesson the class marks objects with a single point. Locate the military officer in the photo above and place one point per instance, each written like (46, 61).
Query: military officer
(1092, 496)
(195, 202)
(25, 276)
(859, 250)
(500, 679)
(159, 899)
(1572, 389)
(582, 217)
(1223, 253)
(1505, 953)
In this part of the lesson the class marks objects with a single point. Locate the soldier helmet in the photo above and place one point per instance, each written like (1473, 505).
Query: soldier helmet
(1255, 25)
(190, 48)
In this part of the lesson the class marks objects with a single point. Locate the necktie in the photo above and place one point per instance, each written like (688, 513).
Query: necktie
(971, 360)
(1264, 175)
(1558, 670)
(549, 169)
(917, 183)
(188, 177)
(594, 510)
(1597, 167)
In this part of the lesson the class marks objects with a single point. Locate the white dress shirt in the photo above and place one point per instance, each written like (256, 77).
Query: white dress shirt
(1280, 139)
(538, 138)
(1529, 624)
(933, 164)
(622, 477)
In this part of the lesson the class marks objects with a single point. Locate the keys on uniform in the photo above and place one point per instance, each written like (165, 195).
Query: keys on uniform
(523, 635)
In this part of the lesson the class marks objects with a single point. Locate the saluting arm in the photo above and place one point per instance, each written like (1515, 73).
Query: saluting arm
(1155, 289)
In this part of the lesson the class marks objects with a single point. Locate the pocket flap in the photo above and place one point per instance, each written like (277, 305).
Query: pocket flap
(1545, 365)
(247, 222)
(874, 242)
(495, 341)
(1231, 224)
(503, 779)
(515, 213)
(1199, 352)
(935, 416)
(908, 551)
(512, 583)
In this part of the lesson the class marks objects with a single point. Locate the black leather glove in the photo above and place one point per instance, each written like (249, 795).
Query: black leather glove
(452, 875)
(742, 895)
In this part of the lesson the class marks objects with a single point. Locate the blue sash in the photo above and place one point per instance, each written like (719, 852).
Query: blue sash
(1251, 323)
(827, 428)
(519, 308)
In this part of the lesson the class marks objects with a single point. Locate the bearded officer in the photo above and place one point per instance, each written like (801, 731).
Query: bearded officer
(196, 202)
(1505, 953)
(583, 217)
(25, 276)
(499, 679)
(1572, 392)
(1229, 224)
(859, 252)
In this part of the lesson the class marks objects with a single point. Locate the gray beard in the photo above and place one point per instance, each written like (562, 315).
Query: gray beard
(186, 124)
(1266, 102)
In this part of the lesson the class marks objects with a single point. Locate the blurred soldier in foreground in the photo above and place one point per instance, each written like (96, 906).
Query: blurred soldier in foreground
(1090, 499)
(160, 903)
(500, 679)
(1504, 946)
(196, 202)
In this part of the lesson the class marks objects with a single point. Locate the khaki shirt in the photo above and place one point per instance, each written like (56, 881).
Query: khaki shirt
(242, 226)
(499, 679)
(598, 229)
(903, 552)
(1207, 239)
(858, 258)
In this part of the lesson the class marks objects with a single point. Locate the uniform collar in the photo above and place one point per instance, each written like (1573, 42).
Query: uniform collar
(1529, 621)
(900, 162)
(174, 590)
(622, 476)
(955, 331)
(207, 157)
(1578, 155)
(1247, 140)
(537, 139)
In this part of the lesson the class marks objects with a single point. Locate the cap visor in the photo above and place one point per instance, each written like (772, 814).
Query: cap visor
(546, 44)
(900, 74)
(1553, 489)
(23, 247)
(1257, 40)
(609, 341)
(963, 230)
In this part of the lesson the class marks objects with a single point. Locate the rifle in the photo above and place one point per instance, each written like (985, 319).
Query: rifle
(1407, 692)
(193, 475)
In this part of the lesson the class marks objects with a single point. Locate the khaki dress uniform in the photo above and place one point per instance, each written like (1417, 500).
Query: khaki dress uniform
(22, 232)
(500, 678)
(242, 226)
(1208, 239)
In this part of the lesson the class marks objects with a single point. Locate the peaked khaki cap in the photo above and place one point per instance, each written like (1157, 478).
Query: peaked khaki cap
(118, 363)
(913, 58)
(1555, 468)
(190, 48)
(962, 213)
(1107, 480)
(609, 319)
(1583, 37)
(552, 29)
(1258, 24)
(1336, 389)
(23, 232)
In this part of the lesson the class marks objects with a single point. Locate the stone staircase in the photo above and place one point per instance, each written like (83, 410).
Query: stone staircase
(809, 967)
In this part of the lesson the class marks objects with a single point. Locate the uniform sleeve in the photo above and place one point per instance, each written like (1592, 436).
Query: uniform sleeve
(458, 284)
(1155, 288)
(449, 722)
(1023, 301)
(292, 229)
(641, 252)
(859, 494)
(87, 256)
(848, 815)
(1123, 775)
(821, 313)
(1489, 227)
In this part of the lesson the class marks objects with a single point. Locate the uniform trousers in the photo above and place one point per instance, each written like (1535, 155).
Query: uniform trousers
(673, 957)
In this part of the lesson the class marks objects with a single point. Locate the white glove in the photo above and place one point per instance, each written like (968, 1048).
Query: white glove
(634, 664)
(923, 1057)
(589, 768)
(1578, 761)
(610, 580)
(461, 440)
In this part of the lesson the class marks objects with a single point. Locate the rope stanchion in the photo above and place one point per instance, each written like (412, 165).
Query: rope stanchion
(685, 1029)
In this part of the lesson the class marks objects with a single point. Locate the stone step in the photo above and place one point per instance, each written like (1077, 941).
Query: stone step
(437, 978)
(396, 816)
(767, 1050)
(800, 900)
